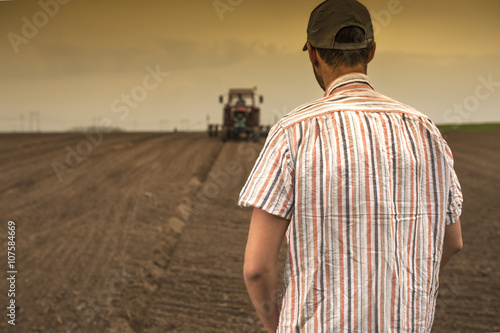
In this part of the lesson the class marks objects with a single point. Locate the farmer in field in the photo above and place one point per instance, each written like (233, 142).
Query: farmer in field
(364, 189)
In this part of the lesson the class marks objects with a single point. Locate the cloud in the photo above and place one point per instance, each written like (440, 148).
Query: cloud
(52, 60)
(184, 54)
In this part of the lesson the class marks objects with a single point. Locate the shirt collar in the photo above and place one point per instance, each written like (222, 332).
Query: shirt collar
(348, 80)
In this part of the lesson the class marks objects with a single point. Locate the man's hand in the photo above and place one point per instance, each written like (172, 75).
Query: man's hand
(261, 259)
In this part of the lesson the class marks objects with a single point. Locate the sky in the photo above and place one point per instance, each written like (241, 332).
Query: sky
(156, 65)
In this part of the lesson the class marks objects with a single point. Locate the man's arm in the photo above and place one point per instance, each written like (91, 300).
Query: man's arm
(260, 269)
(452, 242)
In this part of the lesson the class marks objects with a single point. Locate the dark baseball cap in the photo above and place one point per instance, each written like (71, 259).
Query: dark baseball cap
(332, 15)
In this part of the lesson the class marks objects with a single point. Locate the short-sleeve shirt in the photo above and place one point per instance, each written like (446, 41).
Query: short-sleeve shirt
(368, 186)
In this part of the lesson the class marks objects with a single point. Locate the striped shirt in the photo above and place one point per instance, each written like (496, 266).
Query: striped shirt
(368, 185)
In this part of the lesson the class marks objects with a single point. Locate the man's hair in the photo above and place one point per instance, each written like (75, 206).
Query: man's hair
(351, 58)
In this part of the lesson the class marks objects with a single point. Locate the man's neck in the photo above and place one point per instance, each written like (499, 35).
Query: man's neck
(328, 79)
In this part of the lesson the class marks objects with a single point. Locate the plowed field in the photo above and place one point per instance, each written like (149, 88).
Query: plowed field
(141, 233)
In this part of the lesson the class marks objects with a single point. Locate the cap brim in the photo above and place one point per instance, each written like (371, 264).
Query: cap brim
(305, 47)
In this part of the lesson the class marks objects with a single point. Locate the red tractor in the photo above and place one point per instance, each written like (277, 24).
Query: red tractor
(241, 115)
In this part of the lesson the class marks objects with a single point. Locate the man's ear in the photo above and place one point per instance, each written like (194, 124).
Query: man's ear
(313, 55)
(372, 52)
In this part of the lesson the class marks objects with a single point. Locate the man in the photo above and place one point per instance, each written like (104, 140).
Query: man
(364, 189)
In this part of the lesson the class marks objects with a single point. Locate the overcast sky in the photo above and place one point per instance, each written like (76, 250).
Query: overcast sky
(74, 61)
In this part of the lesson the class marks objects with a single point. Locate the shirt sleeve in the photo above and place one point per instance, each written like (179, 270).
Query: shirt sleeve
(455, 198)
(270, 184)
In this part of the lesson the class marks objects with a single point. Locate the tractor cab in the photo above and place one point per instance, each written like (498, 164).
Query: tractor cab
(241, 110)
(241, 116)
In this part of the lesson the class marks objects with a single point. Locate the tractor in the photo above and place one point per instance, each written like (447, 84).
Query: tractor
(241, 116)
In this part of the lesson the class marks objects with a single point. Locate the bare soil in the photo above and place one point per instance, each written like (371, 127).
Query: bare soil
(141, 233)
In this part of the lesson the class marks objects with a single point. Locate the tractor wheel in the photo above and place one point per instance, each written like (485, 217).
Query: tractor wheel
(225, 134)
(256, 134)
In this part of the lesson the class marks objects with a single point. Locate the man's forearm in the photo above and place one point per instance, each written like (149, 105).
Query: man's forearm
(262, 289)
(447, 254)
(452, 242)
(261, 264)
